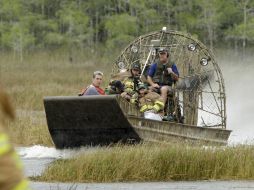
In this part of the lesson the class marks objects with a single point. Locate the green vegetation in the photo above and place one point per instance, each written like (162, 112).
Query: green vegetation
(29, 25)
(51, 48)
(155, 163)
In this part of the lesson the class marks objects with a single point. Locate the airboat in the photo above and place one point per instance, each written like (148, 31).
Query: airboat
(103, 120)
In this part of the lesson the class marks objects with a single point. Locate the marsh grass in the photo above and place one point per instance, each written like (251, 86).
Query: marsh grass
(30, 128)
(43, 74)
(155, 163)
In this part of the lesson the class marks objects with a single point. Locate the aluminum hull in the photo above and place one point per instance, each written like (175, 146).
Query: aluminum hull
(103, 120)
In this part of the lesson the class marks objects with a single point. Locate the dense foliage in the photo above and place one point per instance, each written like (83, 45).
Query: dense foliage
(47, 24)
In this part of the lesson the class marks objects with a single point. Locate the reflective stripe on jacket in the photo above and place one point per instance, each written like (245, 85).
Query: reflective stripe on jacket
(146, 108)
(11, 176)
(151, 101)
(5, 145)
(23, 185)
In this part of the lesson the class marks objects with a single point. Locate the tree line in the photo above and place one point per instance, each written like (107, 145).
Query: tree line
(27, 25)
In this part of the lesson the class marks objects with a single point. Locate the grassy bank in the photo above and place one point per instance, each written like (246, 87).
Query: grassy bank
(155, 163)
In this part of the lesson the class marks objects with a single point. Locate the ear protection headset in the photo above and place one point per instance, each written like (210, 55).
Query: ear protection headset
(166, 52)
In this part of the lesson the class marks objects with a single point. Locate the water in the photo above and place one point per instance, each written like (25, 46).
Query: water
(196, 185)
(239, 80)
(37, 158)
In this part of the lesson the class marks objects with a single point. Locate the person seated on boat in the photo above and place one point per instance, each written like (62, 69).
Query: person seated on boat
(162, 74)
(94, 88)
(150, 103)
(125, 83)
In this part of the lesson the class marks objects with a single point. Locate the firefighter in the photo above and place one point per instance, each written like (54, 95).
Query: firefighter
(150, 103)
(125, 83)
(11, 174)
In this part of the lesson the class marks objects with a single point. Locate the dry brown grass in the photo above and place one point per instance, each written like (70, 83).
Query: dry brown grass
(42, 74)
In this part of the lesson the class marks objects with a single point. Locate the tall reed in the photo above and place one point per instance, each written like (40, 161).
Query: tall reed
(155, 163)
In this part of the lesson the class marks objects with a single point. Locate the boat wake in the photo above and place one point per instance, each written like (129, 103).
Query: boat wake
(42, 152)
(37, 158)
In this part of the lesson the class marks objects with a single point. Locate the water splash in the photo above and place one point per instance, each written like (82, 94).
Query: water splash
(239, 80)
(38, 151)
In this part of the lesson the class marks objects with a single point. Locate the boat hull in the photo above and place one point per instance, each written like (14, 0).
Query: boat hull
(102, 120)
(86, 121)
(157, 131)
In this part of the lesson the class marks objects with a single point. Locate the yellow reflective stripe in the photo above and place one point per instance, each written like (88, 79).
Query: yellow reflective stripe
(5, 145)
(133, 101)
(129, 84)
(160, 103)
(17, 160)
(145, 108)
(156, 107)
(129, 90)
(23, 185)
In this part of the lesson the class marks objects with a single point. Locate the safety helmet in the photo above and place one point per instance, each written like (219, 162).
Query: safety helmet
(136, 66)
(162, 49)
(141, 86)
